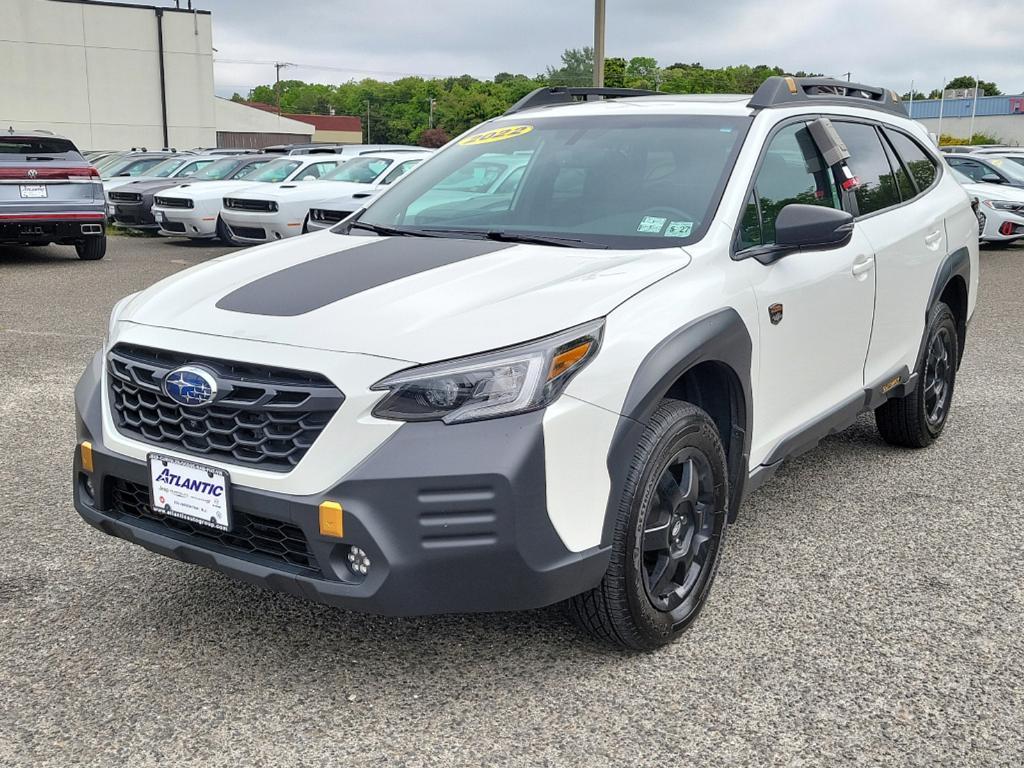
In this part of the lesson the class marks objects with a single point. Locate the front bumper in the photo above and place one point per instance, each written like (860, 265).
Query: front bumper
(453, 519)
(134, 216)
(185, 222)
(258, 227)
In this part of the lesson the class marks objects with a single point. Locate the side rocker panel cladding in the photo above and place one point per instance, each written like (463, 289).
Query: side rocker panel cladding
(718, 337)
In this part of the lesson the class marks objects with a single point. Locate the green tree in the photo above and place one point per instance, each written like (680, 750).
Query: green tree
(615, 72)
(577, 68)
(643, 72)
(968, 81)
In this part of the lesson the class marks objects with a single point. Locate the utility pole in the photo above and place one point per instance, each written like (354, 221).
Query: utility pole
(367, 121)
(599, 43)
(911, 100)
(432, 112)
(278, 66)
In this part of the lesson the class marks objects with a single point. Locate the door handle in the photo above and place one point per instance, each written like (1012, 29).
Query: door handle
(932, 240)
(862, 265)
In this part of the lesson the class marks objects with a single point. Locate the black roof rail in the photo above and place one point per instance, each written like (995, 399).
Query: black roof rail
(791, 91)
(560, 94)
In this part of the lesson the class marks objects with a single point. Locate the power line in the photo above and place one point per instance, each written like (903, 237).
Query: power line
(326, 68)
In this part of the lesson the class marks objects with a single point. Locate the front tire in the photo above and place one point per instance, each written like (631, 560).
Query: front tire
(92, 248)
(668, 534)
(917, 419)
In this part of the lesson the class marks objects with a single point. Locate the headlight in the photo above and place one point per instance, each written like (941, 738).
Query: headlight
(1004, 205)
(501, 383)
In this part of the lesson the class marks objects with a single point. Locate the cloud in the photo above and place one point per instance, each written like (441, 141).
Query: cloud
(883, 42)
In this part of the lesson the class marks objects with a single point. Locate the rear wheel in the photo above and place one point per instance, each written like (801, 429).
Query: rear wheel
(92, 248)
(917, 419)
(668, 534)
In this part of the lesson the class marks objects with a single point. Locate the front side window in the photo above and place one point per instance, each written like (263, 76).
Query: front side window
(362, 170)
(247, 171)
(971, 168)
(792, 171)
(139, 167)
(400, 171)
(315, 171)
(193, 167)
(877, 188)
(616, 181)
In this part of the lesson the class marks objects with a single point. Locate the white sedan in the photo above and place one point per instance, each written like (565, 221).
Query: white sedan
(1000, 209)
(193, 210)
(265, 214)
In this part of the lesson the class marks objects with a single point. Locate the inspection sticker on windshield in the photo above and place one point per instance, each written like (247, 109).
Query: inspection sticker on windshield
(651, 224)
(497, 134)
(679, 229)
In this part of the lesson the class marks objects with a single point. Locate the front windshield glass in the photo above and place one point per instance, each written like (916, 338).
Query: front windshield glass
(362, 170)
(166, 168)
(1008, 168)
(618, 181)
(219, 169)
(275, 171)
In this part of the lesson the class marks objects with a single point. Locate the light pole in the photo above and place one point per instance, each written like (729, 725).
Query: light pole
(598, 43)
(278, 66)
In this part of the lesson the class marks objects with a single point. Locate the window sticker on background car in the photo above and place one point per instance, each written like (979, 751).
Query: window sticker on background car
(679, 229)
(498, 134)
(651, 224)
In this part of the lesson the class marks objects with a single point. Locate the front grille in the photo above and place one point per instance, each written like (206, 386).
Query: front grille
(266, 417)
(131, 218)
(244, 204)
(252, 233)
(328, 217)
(254, 538)
(173, 202)
(172, 226)
(125, 197)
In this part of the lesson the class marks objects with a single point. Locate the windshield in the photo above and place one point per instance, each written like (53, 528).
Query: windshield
(167, 167)
(362, 170)
(617, 181)
(961, 177)
(276, 170)
(248, 171)
(1008, 168)
(219, 169)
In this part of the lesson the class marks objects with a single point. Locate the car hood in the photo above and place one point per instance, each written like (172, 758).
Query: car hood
(198, 190)
(324, 189)
(995, 191)
(407, 298)
(150, 186)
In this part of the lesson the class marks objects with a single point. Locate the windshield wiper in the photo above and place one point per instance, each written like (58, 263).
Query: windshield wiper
(526, 237)
(391, 231)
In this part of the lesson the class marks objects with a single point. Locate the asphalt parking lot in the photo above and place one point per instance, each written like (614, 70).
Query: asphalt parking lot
(869, 610)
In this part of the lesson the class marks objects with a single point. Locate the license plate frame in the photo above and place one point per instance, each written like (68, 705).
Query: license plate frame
(183, 493)
(32, 191)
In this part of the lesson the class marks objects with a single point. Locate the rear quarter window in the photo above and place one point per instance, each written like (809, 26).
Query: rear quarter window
(922, 168)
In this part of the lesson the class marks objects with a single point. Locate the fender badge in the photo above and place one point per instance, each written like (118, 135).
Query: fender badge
(775, 313)
(892, 384)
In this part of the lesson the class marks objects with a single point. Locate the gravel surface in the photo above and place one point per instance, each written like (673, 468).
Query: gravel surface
(869, 610)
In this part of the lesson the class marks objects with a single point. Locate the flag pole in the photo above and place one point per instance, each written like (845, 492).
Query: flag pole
(974, 109)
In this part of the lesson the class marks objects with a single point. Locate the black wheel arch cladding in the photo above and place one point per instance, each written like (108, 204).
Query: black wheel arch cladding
(720, 337)
(956, 264)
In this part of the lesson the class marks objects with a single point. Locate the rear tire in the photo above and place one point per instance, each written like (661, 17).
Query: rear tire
(668, 534)
(917, 419)
(92, 248)
(224, 233)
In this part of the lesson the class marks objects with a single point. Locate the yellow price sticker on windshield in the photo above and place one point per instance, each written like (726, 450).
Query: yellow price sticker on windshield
(498, 134)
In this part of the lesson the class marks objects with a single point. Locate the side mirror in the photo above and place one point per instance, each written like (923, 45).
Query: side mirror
(808, 227)
(309, 177)
(992, 178)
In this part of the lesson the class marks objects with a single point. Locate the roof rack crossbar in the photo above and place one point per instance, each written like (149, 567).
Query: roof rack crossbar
(546, 97)
(789, 91)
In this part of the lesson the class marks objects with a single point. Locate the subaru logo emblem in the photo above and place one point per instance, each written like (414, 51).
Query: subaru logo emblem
(191, 386)
(32, 173)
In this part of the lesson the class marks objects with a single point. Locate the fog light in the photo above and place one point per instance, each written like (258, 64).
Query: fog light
(88, 487)
(358, 561)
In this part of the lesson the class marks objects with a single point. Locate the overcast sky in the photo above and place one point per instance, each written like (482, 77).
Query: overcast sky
(882, 42)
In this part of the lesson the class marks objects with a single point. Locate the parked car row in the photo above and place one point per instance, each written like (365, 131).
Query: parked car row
(996, 181)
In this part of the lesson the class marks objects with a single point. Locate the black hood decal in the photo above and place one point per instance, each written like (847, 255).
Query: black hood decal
(316, 283)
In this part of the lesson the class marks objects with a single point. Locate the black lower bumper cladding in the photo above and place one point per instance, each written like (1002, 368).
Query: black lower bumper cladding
(452, 518)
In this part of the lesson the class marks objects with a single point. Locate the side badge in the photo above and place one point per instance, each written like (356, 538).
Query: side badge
(775, 313)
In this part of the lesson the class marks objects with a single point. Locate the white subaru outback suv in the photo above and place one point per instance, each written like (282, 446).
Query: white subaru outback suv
(561, 394)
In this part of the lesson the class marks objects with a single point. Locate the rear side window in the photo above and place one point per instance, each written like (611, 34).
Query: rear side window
(919, 163)
(792, 171)
(878, 188)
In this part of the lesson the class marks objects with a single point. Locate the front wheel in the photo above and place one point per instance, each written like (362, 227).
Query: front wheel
(92, 248)
(917, 419)
(668, 534)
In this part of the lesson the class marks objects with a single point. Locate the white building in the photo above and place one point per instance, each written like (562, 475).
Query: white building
(114, 76)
